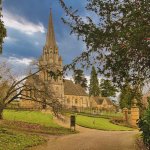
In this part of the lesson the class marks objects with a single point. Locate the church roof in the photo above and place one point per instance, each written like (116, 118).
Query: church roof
(50, 39)
(99, 100)
(73, 89)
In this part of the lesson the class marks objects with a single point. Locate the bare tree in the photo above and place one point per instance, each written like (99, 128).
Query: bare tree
(12, 89)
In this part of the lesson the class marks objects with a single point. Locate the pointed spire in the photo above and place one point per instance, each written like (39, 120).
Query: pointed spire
(50, 40)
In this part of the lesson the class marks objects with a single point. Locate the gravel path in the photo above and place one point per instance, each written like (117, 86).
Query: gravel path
(90, 139)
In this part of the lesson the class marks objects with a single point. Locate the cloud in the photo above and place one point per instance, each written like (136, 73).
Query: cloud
(21, 24)
(23, 61)
(18, 66)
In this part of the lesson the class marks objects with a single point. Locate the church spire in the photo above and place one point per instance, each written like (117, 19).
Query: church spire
(50, 39)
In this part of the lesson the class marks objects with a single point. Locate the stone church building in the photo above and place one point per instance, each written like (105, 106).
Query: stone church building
(68, 93)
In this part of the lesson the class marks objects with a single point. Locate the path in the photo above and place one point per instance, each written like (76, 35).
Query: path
(90, 139)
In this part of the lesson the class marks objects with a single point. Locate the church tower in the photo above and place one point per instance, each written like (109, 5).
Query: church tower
(53, 60)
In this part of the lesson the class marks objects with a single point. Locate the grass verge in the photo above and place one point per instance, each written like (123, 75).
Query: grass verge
(33, 121)
(106, 115)
(34, 117)
(100, 124)
(13, 140)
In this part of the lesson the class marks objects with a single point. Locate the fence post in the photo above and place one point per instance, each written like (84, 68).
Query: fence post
(134, 113)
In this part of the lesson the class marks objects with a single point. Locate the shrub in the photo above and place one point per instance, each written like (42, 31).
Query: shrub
(144, 125)
(118, 120)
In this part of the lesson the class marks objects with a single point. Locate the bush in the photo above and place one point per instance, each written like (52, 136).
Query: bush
(144, 125)
(118, 120)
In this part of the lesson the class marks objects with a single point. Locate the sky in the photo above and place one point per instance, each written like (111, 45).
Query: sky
(26, 22)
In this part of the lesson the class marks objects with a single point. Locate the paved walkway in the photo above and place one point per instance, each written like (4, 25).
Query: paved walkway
(90, 139)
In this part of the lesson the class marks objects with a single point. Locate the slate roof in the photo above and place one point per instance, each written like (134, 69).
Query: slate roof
(73, 89)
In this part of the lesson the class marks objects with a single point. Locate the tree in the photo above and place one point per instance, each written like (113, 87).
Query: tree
(144, 125)
(12, 89)
(79, 78)
(94, 89)
(117, 39)
(2, 28)
(126, 97)
(128, 93)
(107, 89)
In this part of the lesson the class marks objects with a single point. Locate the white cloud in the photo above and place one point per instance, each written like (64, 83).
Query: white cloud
(23, 61)
(21, 24)
(19, 66)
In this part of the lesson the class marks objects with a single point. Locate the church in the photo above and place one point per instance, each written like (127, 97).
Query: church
(69, 94)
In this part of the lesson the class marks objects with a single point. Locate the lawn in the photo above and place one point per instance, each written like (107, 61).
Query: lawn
(12, 140)
(32, 121)
(111, 114)
(99, 123)
(34, 117)
(107, 115)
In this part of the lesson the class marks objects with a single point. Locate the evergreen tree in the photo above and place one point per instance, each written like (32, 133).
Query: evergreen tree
(107, 89)
(2, 28)
(126, 97)
(94, 89)
(79, 78)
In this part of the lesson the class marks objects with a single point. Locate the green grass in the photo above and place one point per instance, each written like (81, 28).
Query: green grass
(11, 140)
(111, 114)
(99, 123)
(107, 115)
(33, 121)
(34, 117)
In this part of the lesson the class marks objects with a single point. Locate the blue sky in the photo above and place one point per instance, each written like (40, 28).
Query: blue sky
(26, 22)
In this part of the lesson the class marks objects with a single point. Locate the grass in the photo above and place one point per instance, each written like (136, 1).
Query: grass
(33, 121)
(111, 114)
(34, 117)
(107, 115)
(17, 126)
(99, 123)
(12, 140)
